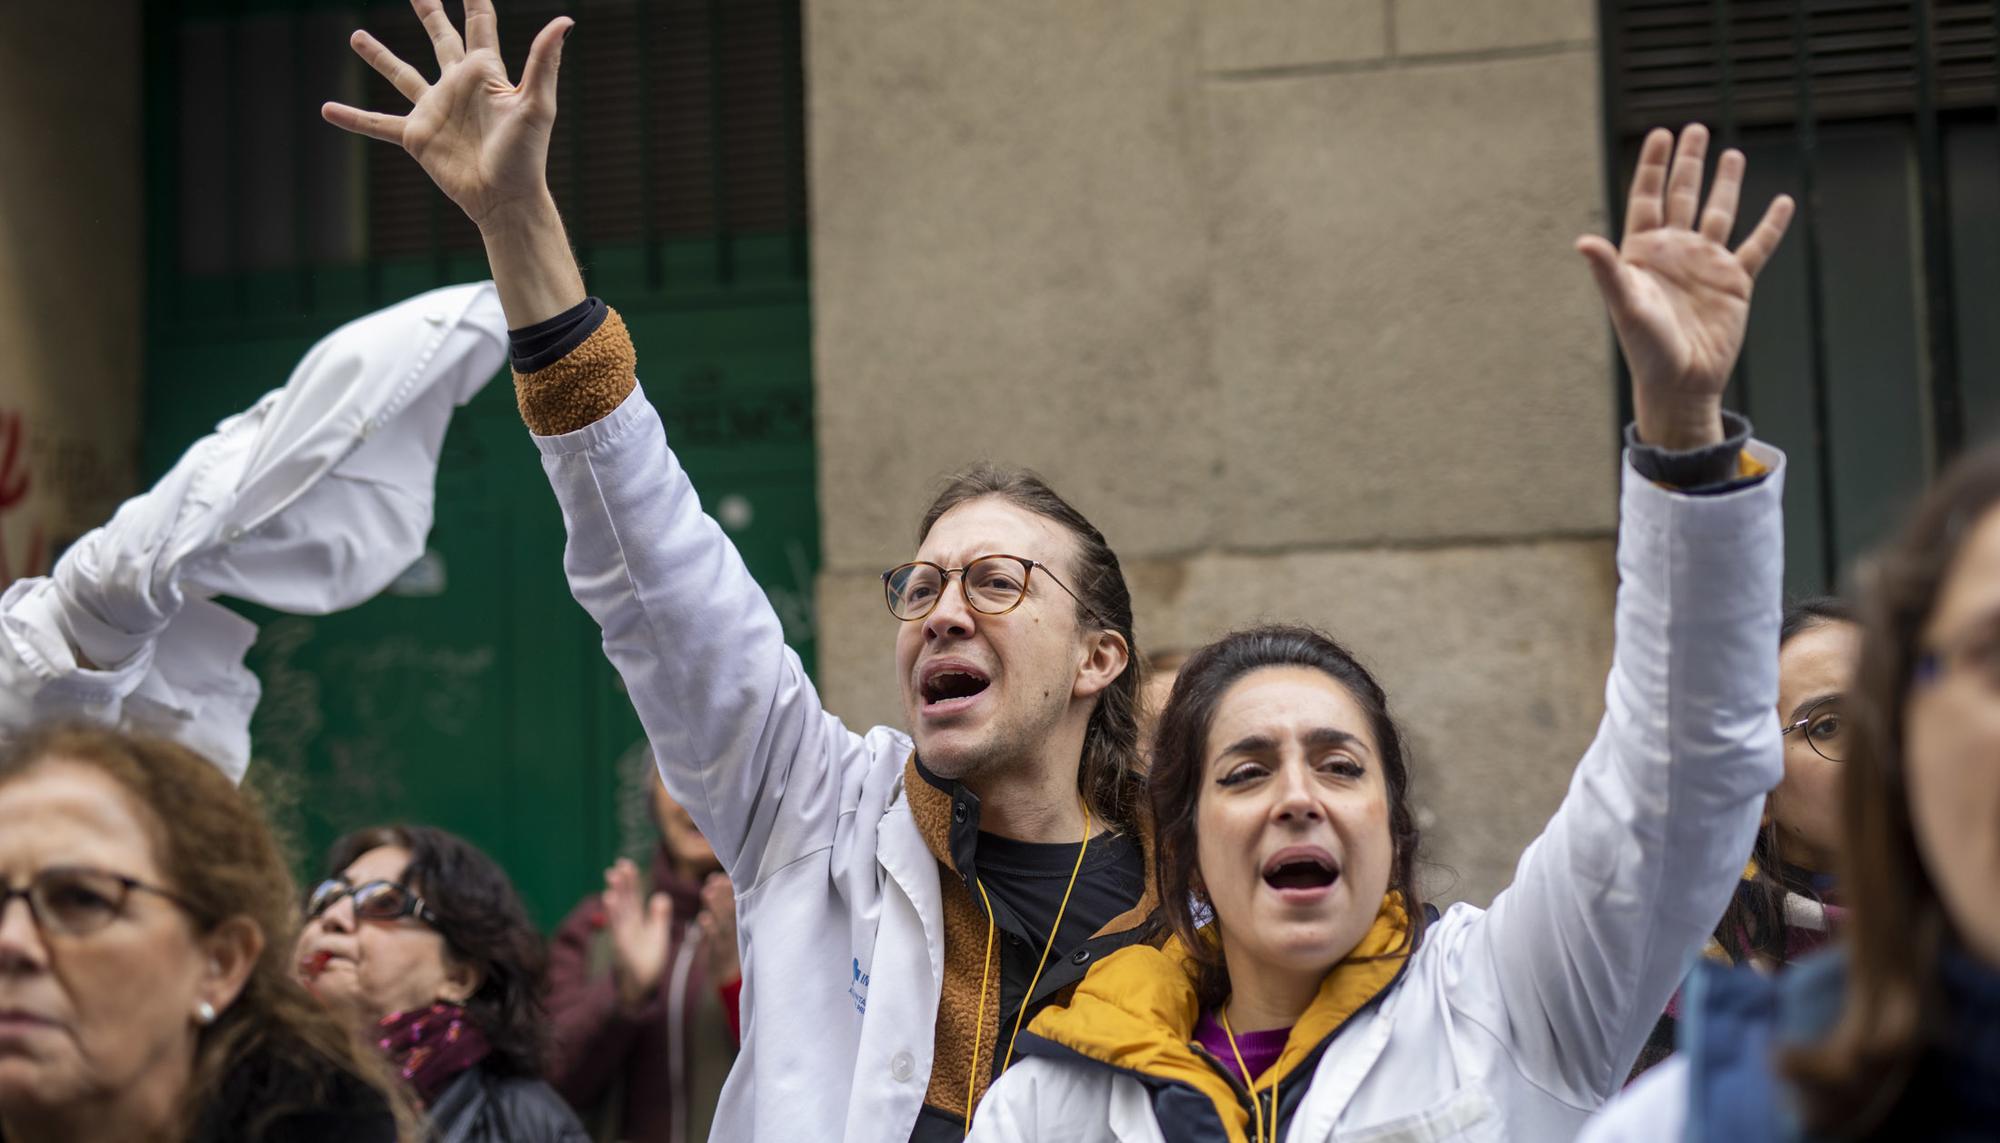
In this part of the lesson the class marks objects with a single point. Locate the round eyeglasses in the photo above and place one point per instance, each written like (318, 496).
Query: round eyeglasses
(373, 900)
(1824, 728)
(993, 585)
(76, 901)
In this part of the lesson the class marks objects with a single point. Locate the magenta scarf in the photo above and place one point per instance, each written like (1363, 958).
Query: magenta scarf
(431, 1046)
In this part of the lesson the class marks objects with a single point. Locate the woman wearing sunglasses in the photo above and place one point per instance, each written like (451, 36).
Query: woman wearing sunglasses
(1785, 906)
(419, 942)
(146, 992)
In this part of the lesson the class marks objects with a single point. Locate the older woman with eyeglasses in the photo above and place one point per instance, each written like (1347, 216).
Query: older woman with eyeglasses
(146, 920)
(418, 940)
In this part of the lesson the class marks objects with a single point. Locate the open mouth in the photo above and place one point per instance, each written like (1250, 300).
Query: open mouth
(1301, 869)
(949, 684)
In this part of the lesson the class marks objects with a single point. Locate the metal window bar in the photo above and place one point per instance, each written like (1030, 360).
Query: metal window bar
(1805, 137)
(1947, 427)
(725, 263)
(1727, 136)
(795, 136)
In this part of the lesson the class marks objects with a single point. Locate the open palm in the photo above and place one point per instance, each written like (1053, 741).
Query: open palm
(482, 139)
(639, 927)
(1679, 298)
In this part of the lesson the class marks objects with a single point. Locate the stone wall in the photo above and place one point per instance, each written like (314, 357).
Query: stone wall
(72, 272)
(1281, 295)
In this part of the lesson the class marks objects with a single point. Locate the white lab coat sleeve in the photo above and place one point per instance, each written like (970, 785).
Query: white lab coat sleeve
(1654, 1109)
(1576, 959)
(310, 502)
(736, 726)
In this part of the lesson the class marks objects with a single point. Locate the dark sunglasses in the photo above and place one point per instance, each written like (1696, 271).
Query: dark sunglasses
(373, 900)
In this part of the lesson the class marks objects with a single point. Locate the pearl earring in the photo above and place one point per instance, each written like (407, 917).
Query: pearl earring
(204, 1013)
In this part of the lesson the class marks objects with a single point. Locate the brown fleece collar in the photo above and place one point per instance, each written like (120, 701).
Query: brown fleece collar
(965, 945)
(582, 388)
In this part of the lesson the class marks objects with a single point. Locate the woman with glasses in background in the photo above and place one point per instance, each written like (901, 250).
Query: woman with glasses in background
(1895, 1034)
(146, 924)
(1785, 906)
(418, 941)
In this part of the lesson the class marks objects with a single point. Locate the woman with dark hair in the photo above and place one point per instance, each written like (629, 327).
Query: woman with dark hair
(145, 980)
(1894, 1034)
(419, 941)
(1305, 993)
(1785, 907)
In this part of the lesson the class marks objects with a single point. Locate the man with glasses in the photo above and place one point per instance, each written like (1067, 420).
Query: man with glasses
(907, 901)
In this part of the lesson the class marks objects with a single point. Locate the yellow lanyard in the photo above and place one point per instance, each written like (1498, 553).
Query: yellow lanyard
(1256, 1106)
(986, 971)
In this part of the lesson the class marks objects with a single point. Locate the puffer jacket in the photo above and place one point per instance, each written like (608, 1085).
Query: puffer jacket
(480, 1107)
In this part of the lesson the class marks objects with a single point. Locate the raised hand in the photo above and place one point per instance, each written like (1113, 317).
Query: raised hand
(1679, 297)
(638, 928)
(483, 139)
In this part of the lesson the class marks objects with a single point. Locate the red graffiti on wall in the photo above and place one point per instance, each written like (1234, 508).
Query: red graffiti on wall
(15, 483)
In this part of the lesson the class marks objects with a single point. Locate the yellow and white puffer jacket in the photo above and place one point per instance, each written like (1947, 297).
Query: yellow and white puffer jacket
(1135, 1013)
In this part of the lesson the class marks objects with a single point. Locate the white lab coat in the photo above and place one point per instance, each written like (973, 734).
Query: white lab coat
(1515, 1022)
(309, 502)
(840, 919)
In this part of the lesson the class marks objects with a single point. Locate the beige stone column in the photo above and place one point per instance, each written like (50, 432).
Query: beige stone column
(1281, 294)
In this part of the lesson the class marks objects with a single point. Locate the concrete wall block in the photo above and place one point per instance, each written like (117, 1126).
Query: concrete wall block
(1290, 33)
(1493, 657)
(856, 651)
(1432, 26)
(1010, 260)
(1406, 345)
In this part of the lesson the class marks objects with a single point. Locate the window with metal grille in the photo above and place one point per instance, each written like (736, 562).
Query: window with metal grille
(681, 136)
(1872, 356)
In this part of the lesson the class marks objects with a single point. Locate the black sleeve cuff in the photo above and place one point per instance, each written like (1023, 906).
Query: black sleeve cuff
(1701, 471)
(544, 343)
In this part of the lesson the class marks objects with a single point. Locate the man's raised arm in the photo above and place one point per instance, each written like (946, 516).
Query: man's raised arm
(735, 724)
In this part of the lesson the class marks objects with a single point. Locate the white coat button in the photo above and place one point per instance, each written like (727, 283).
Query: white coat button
(434, 319)
(902, 1066)
(232, 533)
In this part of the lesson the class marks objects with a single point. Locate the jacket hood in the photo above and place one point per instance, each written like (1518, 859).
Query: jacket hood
(1136, 1012)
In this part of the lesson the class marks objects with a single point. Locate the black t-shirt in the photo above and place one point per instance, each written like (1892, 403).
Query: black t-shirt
(1026, 881)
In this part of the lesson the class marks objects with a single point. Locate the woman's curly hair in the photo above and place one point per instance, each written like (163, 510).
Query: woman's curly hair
(483, 924)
